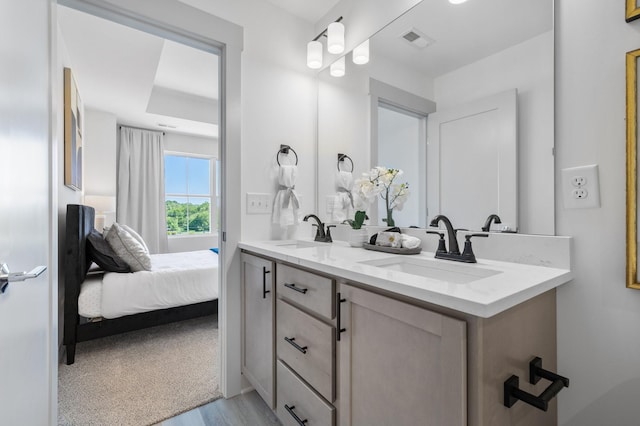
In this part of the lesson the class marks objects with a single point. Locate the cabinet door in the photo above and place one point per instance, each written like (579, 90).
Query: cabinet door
(399, 364)
(257, 325)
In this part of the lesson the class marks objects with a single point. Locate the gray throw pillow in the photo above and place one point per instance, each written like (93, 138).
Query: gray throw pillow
(128, 248)
(102, 254)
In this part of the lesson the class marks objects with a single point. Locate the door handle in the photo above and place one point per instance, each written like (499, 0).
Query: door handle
(7, 277)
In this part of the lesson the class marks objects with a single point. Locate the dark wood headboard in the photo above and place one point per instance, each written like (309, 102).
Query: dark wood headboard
(80, 221)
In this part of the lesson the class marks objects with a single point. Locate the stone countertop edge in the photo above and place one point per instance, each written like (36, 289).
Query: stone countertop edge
(485, 297)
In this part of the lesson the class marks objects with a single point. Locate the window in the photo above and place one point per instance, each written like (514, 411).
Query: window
(189, 181)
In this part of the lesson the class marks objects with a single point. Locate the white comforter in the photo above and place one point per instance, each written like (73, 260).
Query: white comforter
(175, 279)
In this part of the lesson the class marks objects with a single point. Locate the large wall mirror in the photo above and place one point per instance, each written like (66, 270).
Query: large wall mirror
(461, 98)
(633, 280)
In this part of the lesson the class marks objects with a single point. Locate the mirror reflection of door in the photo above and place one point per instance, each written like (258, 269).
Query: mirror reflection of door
(402, 145)
(472, 164)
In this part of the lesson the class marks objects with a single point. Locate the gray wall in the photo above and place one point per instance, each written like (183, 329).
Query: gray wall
(598, 318)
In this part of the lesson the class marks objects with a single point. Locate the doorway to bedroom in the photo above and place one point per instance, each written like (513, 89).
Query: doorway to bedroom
(139, 89)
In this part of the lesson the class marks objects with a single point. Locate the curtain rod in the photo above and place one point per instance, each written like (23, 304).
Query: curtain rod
(140, 128)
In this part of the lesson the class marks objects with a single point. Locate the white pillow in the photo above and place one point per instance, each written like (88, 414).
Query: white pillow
(128, 248)
(135, 235)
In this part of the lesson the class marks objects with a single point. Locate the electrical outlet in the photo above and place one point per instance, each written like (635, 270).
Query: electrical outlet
(258, 203)
(578, 181)
(580, 187)
(580, 193)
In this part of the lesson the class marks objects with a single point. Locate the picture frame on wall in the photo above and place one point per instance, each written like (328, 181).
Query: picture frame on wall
(632, 71)
(73, 123)
(632, 10)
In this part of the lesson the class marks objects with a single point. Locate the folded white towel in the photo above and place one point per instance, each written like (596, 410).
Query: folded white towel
(389, 239)
(407, 241)
(342, 207)
(286, 205)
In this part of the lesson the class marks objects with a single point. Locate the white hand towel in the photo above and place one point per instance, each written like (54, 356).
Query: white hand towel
(343, 200)
(286, 205)
(407, 241)
(389, 239)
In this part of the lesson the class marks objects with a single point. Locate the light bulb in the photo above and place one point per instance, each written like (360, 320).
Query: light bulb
(337, 68)
(361, 53)
(314, 55)
(335, 38)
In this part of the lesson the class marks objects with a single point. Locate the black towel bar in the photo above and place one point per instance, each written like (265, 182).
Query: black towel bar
(512, 392)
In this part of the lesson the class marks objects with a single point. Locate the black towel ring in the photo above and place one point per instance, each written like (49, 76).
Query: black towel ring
(284, 149)
(341, 158)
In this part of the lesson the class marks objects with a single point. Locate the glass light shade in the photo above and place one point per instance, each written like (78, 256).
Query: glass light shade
(314, 55)
(335, 36)
(457, 1)
(338, 68)
(361, 53)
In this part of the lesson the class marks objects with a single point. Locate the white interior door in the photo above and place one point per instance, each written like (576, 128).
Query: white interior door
(28, 325)
(472, 161)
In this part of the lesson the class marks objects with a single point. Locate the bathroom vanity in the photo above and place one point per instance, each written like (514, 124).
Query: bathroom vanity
(335, 335)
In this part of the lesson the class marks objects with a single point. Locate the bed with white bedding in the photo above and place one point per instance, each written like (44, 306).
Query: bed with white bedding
(178, 286)
(175, 279)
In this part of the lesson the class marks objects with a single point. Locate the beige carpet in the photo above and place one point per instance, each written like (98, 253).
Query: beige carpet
(141, 377)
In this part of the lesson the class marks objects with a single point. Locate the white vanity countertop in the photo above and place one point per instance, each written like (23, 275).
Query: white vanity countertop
(510, 284)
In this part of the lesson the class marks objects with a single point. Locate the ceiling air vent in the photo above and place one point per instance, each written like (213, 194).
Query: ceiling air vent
(416, 38)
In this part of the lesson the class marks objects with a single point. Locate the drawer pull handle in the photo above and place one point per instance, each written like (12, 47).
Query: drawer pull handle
(264, 282)
(298, 289)
(294, 415)
(292, 342)
(340, 329)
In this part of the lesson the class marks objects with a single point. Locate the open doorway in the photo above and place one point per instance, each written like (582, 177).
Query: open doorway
(171, 91)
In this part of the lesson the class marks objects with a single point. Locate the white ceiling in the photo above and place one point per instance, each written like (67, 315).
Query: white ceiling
(309, 10)
(463, 33)
(130, 73)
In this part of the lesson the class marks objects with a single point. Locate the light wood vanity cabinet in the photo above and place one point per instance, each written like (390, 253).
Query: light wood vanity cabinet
(258, 364)
(355, 355)
(399, 364)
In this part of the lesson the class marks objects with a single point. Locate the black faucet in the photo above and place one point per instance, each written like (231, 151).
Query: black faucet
(492, 218)
(467, 255)
(321, 235)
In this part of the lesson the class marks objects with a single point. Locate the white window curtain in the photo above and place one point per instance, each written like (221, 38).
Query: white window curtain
(140, 191)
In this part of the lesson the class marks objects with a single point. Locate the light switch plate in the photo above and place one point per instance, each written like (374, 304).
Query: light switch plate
(581, 187)
(258, 203)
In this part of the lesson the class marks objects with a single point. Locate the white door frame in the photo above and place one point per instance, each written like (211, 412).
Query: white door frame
(182, 23)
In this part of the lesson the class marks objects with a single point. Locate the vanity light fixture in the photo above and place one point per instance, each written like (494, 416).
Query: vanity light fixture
(314, 54)
(335, 44)
(337, 68)
(361, 53)
(457, 1)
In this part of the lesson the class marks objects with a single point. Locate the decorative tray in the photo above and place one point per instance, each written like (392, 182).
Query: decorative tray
(394, 250)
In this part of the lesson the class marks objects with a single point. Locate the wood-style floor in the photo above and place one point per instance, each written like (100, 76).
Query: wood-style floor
(242, 410)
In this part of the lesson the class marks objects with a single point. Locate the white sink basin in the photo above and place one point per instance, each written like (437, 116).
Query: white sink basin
(297, 244)
(442, 270)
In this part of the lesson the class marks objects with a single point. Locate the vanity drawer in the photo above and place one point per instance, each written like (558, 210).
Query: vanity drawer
(301, 401)
(306, 289)
(307, 345)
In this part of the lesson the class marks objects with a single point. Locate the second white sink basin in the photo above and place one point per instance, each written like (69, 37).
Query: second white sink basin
(441, 270)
